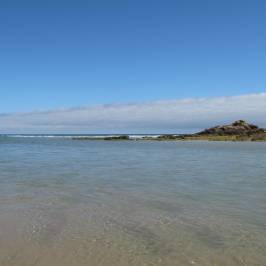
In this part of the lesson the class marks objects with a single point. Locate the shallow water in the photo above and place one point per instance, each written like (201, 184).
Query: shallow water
(65, 202)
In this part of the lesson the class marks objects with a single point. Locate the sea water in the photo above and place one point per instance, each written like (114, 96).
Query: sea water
(71, 202)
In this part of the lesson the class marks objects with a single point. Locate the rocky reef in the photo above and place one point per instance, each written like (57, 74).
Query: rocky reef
(239, 127)
(122, 137)
(238, 131)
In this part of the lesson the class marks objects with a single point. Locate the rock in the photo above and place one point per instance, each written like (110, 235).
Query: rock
(122, 137)
(239, 128)
(167, 137)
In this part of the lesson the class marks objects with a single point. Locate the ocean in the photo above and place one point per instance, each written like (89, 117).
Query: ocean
(110, 203)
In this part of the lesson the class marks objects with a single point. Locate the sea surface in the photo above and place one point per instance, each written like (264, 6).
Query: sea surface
(65, 202)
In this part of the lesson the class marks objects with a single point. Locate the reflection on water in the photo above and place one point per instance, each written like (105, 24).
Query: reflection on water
(65, 202)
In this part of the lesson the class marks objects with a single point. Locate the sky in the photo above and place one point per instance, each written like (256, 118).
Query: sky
(63, 56)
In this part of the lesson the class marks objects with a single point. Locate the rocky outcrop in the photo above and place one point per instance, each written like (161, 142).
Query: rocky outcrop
(122, 137)
(239, 128)
(167, 137)
(237, 131)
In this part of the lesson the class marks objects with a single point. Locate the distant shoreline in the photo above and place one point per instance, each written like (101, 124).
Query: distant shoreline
(237, 131)
(233, 138)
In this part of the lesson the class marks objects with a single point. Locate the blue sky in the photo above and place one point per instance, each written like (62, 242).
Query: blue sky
(63, 54)
(71, 53)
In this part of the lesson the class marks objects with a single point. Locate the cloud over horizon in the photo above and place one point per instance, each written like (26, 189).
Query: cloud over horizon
(183, 115)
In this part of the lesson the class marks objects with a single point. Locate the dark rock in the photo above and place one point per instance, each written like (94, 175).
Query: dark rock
(167, 137)
(122, 137)
(240, 128)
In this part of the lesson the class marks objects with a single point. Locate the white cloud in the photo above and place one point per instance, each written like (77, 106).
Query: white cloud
(184, 115)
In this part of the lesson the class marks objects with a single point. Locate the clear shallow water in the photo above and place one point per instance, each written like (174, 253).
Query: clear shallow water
(65, 202)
